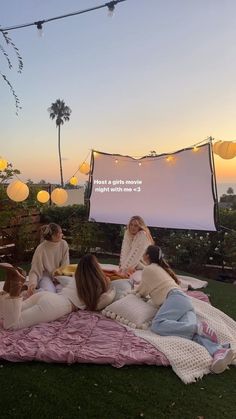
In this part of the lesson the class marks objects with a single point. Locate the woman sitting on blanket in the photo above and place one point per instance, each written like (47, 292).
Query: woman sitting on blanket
(136, 239)
(89, 289)
(176, 316)
(52, 253)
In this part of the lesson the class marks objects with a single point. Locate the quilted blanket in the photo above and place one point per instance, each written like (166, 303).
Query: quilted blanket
(83, 337)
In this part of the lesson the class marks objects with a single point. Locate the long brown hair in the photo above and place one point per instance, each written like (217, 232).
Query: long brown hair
(156, 256)
(90, 281)
(142, 226)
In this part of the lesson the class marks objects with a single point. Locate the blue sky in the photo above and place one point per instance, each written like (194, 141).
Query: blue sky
(156, 76)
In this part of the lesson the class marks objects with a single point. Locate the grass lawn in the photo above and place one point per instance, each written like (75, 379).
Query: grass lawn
(39, 390)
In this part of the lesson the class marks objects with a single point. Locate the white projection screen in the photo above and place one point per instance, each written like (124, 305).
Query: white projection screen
(174, 191)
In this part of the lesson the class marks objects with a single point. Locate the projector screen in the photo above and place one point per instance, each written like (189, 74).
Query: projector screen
(168, 191)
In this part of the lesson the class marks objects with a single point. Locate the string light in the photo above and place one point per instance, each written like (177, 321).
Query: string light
(195, 149)
(140, 164)
(39, 24)
(170, 159)
(40, 27)
(116, 161)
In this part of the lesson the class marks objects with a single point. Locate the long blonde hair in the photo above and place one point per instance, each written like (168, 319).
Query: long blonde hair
(90, 281)
(142, 226)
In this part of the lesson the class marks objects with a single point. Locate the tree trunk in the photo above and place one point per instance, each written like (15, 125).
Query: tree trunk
(59, 152)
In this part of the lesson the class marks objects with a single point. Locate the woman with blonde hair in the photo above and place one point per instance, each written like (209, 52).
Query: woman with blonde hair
(136, 239)
(52, 253)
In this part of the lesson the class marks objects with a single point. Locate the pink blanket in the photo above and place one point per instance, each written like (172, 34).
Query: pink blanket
(84, 337)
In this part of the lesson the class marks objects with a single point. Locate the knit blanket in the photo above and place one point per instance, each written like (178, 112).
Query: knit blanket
(189, 360)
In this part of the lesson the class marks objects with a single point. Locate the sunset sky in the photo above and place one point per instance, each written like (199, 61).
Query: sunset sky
(158, 75)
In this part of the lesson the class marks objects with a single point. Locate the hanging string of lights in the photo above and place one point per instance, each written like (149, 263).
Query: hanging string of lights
(39, 23)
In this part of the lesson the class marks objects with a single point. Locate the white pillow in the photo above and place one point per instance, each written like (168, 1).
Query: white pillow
(132, 311)
(63, 280)
(122, 287)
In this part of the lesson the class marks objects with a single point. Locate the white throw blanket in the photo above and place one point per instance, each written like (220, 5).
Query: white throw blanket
(189, 360)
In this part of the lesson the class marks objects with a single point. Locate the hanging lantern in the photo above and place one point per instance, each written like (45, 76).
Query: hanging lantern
(43, 197)
(59, 196)
(84, 168)
(227, 150)
(216, 146)
(3, 164)
(17, 191)
(73, 181)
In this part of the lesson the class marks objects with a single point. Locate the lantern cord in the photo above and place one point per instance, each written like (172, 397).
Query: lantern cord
(110, 5)
(79, 167)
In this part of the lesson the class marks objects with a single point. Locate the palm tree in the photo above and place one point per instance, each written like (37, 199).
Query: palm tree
(61, 112)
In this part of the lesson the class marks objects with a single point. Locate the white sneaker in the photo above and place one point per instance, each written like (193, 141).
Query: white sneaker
(221, 359)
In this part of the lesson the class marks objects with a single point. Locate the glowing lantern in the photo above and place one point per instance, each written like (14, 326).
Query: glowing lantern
(59, 196)
(84, 168)
(227, 150)
(3, 164)
(74, 181)
(43, 196)
(17, 191)
(216, 146)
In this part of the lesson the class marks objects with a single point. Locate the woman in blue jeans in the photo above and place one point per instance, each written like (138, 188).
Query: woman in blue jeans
(176, 315)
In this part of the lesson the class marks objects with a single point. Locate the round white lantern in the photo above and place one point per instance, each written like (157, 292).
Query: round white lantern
(17, 191)
(216, 146)
(59, 196)
(227, 150)
(84, 168)
(74, 181)
(43, 197)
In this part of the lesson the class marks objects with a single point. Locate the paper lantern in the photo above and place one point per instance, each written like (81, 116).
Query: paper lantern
(216, 146)
(43, 196)
(84, 168)
(74, 181)
(3, 164)
(59, 196)
(227, 150)
(17, 191)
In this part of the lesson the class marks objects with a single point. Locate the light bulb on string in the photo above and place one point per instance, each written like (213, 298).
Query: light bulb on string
(40, 28)
(111, 8)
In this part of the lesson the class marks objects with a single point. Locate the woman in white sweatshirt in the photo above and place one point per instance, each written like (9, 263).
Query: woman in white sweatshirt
(175, 312)
(51, 254)
(89, 289)
(136, 239)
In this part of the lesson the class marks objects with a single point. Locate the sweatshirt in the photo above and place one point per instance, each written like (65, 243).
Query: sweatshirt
(133, 249)
(48, 256)
(157, 283)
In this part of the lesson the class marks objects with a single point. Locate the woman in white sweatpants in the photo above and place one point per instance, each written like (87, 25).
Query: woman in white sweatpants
(88, 285)
(41, 307)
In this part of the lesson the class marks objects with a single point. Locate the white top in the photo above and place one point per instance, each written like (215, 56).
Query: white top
(157, 283)
(70, 292)
(48, 256)
(132, 250)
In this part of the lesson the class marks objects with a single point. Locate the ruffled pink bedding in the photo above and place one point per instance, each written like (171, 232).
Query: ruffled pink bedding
(83, 337)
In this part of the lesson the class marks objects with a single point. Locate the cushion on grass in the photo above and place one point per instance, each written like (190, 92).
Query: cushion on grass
(63, 280)
(132, 311)
(122, 287)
